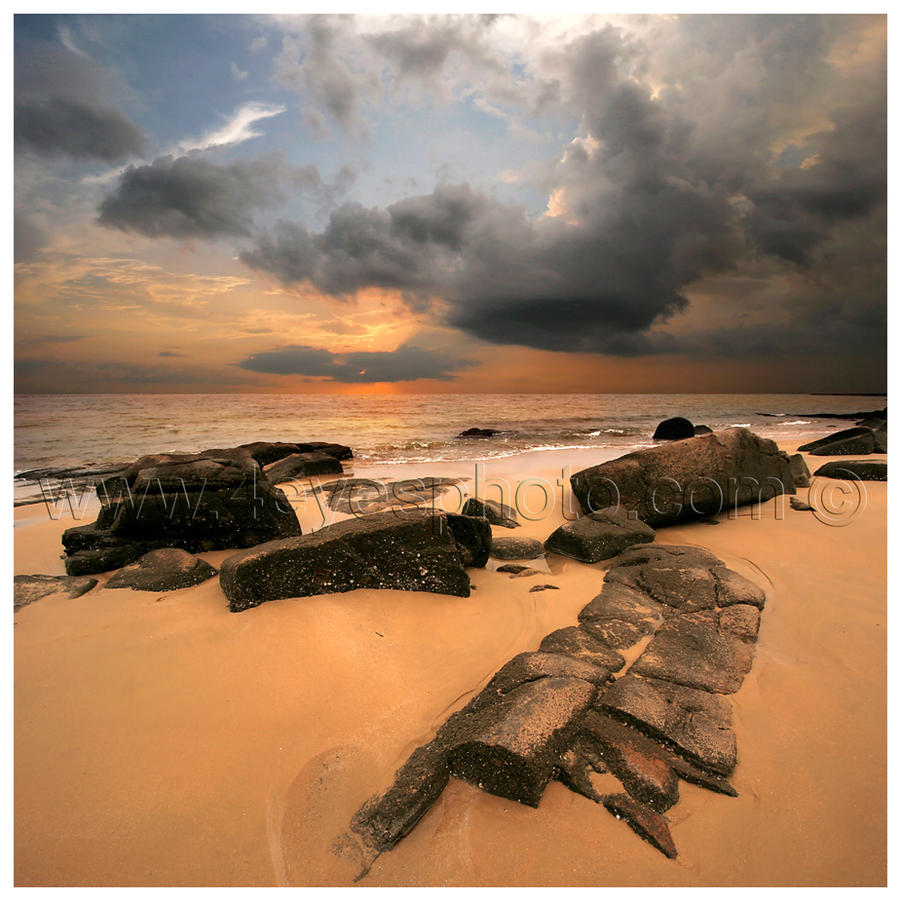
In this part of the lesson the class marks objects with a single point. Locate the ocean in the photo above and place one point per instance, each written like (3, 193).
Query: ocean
(74, 430)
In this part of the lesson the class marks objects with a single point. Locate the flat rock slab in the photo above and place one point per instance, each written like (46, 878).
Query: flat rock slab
(621, 616)
(515, 568)
(848, 441)
(532, 665)
(649, 825)
(517, 549)
(599, 536)
(855, 470)
(678, 584)
(408, 551)
(575, 642)
(360, 497)
(166, 569)
(697, 724)
(740, 620)
(30, 588)
(692, 651)
(494, 512)
(733, 588)
(296, 466)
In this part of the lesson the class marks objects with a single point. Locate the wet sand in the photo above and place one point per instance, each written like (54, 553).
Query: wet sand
(161, 740)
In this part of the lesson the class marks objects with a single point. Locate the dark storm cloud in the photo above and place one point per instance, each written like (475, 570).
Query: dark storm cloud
(189, 196)
(407, 363)
(76, 128)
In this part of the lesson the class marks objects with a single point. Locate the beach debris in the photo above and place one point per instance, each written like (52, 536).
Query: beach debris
(690, 479)
(497, 514)
(517, 549)
(560, 713)
(412, 551)
(855, 470)
(302, 466)
(30, 588)
(858, 440)
(598, 536)
(674, 429)
(166, 569)
(799, 471)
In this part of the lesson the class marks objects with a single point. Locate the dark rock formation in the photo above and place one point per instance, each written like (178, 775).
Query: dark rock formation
(844, 443)
(689, 479)
(514, 568)
(881, 440)
(477, 433)
(411, 551)
(472, 536)
(302, 466)
(360, 497)
(517, 549)
(338, 451)
(31, 588)
(799, 471)
(702, 430)
(646, 823)
(497, 514)
(166, 569)
(855, 470)
(674, 429)
(797, 504)
(620, 617)
(599, 536)
(267, 452)
(580, 645)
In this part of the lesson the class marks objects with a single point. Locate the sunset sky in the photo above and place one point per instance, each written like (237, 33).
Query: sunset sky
(450, 204)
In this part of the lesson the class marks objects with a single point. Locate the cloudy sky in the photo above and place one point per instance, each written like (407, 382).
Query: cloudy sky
(450, 204)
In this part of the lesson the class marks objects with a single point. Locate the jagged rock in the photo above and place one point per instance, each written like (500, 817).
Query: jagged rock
(620, 617)
(514, 754)
(641, 765)
(30, 588)
(689, 479)
(855, 470)
(799, 471)
(411, 551)
(697, 724)
(575, 642)
(472, 536)
(166, 569)
(691, 651)
(740, 620)
(517, 549)
(531, 665)
(572, 770)
(674, 429)
(797, 504)
(846, 442)
(547, 587)
(599, 536)
(477, 433)
(649, 825)
(302, 466)
(497, 514)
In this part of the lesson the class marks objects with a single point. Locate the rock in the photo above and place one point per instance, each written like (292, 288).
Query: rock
(411, 551)
(266, 452)
(517, 549)
(691, 651)
(740, 620)
(572, 769)
(576, 643)
(546, 587)
(497, 514)
(599, 536)
(799, 471)
(472, 536)
(363, 496)
(674, 429)
(166, 569)
(338, 451)
(526, 573)
(30, 588)
(515, 568)
(90, 549)
(531, 665)
(797, 504)
(881, 440)
(640, 764)
(684, 583)
(689, 479)
(649, 825)
(843, 443)
(477, 433)
(302, 466)
(514, 754)
(855, 470)
(697, 724)
(702, 430)
(620, 617)
(733, 588)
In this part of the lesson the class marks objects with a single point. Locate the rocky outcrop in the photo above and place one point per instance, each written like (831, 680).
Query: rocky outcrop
(361, 497)
(296, 466)
(517, 549)
(494, 512)
(689, 479)
(855, 470)
(843, 443)
(674, 429)
(410, 551)
(799, 471)
(473, 537)
(598, 536)
(477, 433)
(166, 569)
(556, 713)
(30, 588)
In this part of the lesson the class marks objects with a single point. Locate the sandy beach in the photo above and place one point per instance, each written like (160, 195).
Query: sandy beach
(161, 740)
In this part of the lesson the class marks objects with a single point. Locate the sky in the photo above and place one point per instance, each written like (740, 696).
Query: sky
(390, 204)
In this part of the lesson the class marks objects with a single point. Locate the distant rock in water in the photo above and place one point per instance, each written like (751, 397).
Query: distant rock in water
(689, 479)
(494, 512)
(674, 429)
(166, 569)
(31, 588)
(477, 433)
(844, 443)
(855, 470)
(598, 536)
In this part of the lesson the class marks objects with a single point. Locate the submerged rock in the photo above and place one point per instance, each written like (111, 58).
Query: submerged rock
(599, 536)
(166, 569)
(477, 433)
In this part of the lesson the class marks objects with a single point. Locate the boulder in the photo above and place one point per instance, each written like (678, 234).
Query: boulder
(702, 430)
(855, 470)
(90, 549)
(799, 471)
(473, 538)
(580, 645)
(166, 569)
(599, 536)
(30, 588)
(410, 551)
(267, 452)
(497, 514)
(689, 479)
(649, 825)
(517, 549)
(843, 443)
(477, 433)
(696, 724)
(674, 429)
(363, 496)
(620, 617)
(302, 466)
(338, 451)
